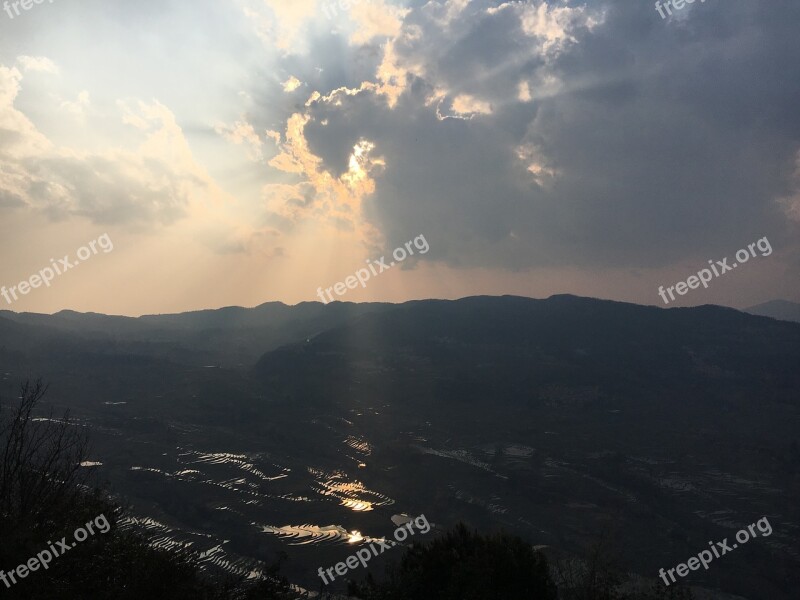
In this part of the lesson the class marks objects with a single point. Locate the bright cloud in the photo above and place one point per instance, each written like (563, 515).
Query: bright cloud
(37, 63)
(291, 84)
(243, 133)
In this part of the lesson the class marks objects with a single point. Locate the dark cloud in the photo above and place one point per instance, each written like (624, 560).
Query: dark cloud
(655, 140)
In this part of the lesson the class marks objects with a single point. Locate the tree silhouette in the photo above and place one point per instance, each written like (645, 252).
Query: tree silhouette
(465, 565)
(44, 496)
(40, 463)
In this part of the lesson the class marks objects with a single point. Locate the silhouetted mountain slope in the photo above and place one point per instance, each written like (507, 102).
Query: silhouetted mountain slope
(567, 414)
(23, 339)
(550, 418)
(228, 336)
(777, 309)
(510, 347)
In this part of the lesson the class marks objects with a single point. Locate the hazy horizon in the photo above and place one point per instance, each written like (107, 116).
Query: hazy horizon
(214, 308)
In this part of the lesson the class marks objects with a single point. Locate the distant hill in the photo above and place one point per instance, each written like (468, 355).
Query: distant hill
(777, 309)
(230, 336)
(509, 348)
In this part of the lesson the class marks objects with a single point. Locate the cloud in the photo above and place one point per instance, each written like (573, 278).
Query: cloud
(553, 25)
(791, 202)
(37, 63)
(599, 136)
(322, 195)
(77, 108)
(281, 24)
(155, 182)
(376, 18)
(18, 135)
(464, 104)
(291, 84)
(243, 133)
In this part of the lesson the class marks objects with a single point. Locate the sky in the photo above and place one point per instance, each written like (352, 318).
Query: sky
(240, 152)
